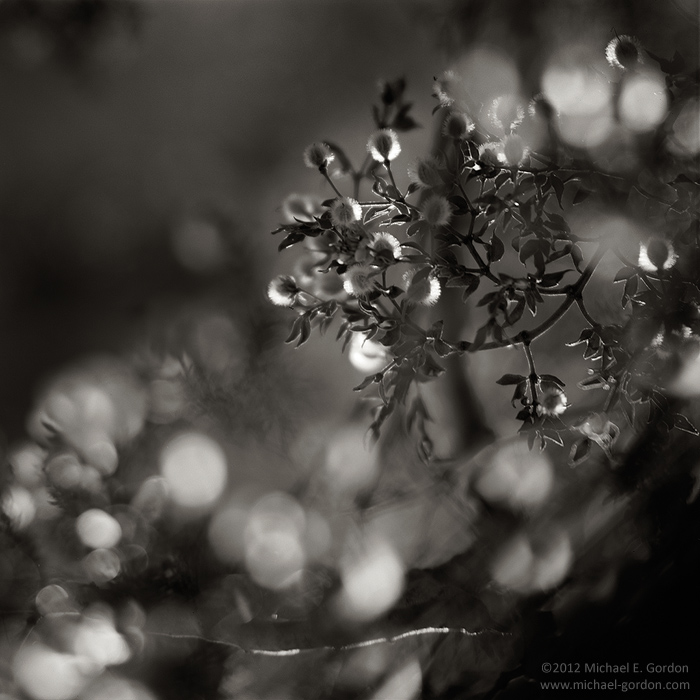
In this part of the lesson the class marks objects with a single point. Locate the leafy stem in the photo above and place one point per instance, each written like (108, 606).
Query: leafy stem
(532, 376)
(574, 293)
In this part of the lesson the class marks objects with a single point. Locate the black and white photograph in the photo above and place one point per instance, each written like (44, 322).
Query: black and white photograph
(349, 349)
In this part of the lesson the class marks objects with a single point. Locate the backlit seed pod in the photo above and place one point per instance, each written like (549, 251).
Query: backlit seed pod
(386, 246)
(436, 211)
(424, 292)
(624, 52)
(424, 172)
(384, 145)
(457, 126)
(318, 155)
(345, 211)
(552, 402)
(367, 355)
(656, 254)
(359, 280)
(283, 290)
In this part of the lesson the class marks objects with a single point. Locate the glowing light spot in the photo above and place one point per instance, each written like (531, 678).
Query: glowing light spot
(27, 462)
(512, 565)
(552, 565)
(96, 406)
(97, 529)
(643, 103)
(53, 599)
(97, 640)
(586, 130)
(45, 674)
(274, 555)
(151, 498)
(18, 505)
(684, 140)
(485, 73)
(404, 683)
(573, 88)
(194, 467)
(514, 476)
(367, 355)
(101, 453)
(64, 470)
(686, 384)
(350, 464)
(372, 582)
(102, 565)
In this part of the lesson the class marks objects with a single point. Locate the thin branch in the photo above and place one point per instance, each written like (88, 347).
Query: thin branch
(574, 292)
(423, 631)
(532, 377)
(584, 312)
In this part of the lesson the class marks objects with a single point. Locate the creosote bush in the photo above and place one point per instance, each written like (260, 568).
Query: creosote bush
(488, 214)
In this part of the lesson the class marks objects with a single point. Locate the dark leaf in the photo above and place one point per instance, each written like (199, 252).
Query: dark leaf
(624, 274)
(496, 250)
(516, 314)
(558, 186)
(576, 256)
(305, 330)
(480, 337)
(296, 329)
(580, 196)
(586, 334)
(507, 379)
(554, 380)
(290, 240)
(366, 382)
(551, 279)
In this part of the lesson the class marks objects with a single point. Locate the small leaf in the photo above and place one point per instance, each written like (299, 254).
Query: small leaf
(296, 329)
(682, 423)
(366, 382)
(554, 380)
(558, 186)
(580, 196)
(516, 314)
(496, 250)
(624, 274)
(576, 256)
(586, 334)
(290, 240)
(305, 330)
(480, 337)
(508, 379)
